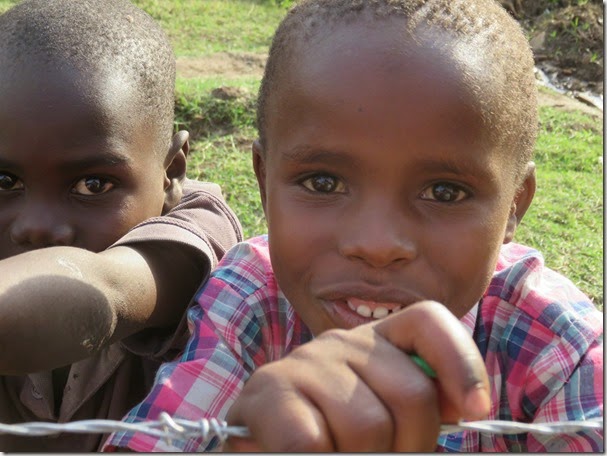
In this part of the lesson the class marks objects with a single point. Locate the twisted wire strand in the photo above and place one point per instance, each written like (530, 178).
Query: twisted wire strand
(169, 428)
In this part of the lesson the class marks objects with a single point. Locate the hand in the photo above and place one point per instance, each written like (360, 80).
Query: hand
(358, 390)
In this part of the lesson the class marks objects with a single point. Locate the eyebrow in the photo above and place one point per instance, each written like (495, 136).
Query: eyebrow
(455, 167)
(308, 154)
(105, 160)
(447, 165)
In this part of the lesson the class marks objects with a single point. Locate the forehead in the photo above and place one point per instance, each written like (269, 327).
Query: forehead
(78, 104)
(357, 64)
(43, 82)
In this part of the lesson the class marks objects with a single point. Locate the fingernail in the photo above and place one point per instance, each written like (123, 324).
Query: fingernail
(477, 403)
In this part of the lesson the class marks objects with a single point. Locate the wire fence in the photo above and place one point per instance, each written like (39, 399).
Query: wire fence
(171, 429)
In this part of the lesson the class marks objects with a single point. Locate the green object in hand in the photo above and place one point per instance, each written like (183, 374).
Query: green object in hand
(423, 365)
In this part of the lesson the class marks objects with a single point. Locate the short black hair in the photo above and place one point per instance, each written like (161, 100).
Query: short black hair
(507, 93)
(94, 36)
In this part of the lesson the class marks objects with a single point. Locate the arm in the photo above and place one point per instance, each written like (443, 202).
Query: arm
(358, 390)
(73, 302)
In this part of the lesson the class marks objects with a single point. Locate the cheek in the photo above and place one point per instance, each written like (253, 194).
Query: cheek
(300, 238)
(466, 264)
(100, 234)
(146, 198)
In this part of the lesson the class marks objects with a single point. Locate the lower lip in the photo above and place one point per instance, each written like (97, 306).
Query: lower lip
(344, 317)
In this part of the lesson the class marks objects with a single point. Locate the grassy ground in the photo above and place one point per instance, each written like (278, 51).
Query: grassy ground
(198, 27)
(565, 221)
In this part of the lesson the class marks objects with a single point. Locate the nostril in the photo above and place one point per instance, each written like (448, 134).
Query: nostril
(38, 235)
(63, 235)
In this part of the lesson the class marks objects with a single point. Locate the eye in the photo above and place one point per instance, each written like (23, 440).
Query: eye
(444, 192)
(9, 182)
(92, 186)
(324, 183)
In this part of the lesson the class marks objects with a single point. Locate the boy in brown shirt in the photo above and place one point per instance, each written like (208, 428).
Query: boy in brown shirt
(103, 239)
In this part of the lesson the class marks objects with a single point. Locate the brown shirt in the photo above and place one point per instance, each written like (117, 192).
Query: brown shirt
(110, 383)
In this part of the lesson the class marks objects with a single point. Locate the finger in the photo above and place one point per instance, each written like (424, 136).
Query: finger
(270, 404)
(408, 394)
(320, 377)
(356, 417)
(434, 333)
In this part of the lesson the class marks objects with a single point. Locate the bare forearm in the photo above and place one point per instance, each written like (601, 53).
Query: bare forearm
(62, 304)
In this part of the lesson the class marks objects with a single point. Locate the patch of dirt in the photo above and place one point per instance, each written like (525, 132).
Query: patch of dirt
(567, 40)
(225, 64)
(567, 103)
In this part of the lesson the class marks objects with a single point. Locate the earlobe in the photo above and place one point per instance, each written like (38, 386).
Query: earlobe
(260, 170)
(522, 201)
(175, 170)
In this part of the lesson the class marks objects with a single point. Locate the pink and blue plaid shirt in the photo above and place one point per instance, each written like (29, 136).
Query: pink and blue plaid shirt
(541, 338)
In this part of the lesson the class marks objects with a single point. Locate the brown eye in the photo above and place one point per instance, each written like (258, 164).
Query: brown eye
(444, 192)
(92, 186)
(9, 182)
(324, 183)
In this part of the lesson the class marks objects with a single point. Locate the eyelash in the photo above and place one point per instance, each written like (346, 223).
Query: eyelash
(104, 180)
(337, 185)
(461, 192)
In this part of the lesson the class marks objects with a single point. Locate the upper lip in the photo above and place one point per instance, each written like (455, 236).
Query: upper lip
(379, 294)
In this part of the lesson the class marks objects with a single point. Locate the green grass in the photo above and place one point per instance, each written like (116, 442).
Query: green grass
(6, 4)
(565, 221)
(201, 27)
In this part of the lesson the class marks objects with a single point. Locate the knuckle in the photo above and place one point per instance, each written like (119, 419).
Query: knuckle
(335, 335)
(374, 432)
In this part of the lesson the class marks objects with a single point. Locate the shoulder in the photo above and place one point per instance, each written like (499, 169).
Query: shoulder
(197, 191)
(523, 283)
(243, 276)
(247, 265)
(530, 311)
(524, 291)
(539, 335)
(203, 203)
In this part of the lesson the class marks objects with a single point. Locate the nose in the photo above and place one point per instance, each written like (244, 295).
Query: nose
(37, 226)
(378, 236)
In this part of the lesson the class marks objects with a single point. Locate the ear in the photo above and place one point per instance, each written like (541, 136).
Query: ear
(175, 170)
(259, 166)
(521, 202)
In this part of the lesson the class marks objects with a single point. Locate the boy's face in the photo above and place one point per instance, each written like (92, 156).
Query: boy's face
(378, 183)
(77, 167)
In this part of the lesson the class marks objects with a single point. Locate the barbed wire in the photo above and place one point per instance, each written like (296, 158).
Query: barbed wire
(170, 429)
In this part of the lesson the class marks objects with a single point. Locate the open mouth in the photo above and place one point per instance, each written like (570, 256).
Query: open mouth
(372, 309)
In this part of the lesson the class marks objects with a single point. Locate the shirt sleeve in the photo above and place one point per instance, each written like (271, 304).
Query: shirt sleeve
(201, 222)
(226, 346)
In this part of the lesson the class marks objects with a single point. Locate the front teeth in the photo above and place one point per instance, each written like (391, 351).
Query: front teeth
(380, 312)
(377, 313)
